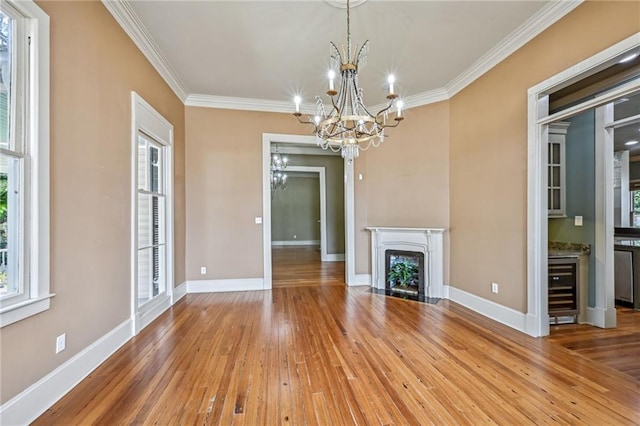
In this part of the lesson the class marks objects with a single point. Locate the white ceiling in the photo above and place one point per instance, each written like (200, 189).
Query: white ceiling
(271, 50)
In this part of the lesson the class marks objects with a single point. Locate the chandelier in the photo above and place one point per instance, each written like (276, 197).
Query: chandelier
(278, 177)
(348, 126)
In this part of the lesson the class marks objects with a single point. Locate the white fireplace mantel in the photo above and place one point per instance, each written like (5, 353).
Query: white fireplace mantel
(429, 241)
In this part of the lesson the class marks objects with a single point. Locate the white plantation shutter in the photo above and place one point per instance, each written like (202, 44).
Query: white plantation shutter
(151, 205)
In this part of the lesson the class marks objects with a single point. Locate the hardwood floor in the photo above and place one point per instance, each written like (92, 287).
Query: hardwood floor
(618, 348)
(301, 266)
(334, 355)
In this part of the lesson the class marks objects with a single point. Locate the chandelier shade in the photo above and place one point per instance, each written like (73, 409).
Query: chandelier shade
(347, 125)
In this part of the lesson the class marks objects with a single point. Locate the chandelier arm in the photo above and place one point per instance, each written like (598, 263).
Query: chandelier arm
(397, 122)
(375, 117)
(362, 55)
(308, 121)
(336, 56)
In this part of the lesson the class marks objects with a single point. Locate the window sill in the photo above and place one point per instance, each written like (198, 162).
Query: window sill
(22, 310)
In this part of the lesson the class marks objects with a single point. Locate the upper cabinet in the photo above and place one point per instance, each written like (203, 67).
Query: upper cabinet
(556, 169)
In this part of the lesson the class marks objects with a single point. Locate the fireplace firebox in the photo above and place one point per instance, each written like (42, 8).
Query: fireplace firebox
(404, 272)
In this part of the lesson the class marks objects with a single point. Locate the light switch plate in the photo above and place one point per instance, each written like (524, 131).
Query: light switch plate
(578, 221)
(61, 342)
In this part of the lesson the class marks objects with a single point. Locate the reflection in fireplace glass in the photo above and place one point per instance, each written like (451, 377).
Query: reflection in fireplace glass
(405, 271)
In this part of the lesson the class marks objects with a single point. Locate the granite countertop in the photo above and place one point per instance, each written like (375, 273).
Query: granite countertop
(565, 249)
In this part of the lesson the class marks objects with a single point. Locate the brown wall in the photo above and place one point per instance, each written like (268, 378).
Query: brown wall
(224, 189)
(405, 184)
(94, 68)
(406, 179)
(489, 149)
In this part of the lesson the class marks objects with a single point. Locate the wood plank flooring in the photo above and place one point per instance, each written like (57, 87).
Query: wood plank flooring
(301, 266)
(618, 348)
(333, 355)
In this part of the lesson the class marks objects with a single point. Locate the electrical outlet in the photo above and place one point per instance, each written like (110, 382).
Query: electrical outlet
(258, 220)
(494, 287)
(203, 270)
(61, 342)
(295, 236)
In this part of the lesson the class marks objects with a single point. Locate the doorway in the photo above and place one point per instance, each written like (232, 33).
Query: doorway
(602, 313)
(300, 142)
(301, 227)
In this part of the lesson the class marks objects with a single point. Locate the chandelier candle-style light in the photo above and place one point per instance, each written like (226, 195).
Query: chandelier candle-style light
(349, 126)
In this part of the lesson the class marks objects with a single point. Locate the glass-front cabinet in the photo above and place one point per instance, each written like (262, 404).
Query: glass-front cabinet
(556, 199)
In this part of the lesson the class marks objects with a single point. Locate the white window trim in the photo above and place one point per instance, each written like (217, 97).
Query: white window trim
(147, 120)
(37, 140)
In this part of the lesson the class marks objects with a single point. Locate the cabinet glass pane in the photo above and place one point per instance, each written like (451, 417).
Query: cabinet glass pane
(556, 198)
(556, 176)
(555, 153)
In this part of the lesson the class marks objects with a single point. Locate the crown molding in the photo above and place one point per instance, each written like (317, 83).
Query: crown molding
(133, 26)
(543, 19)
(245, 104)
(425, 98)
(135, 29)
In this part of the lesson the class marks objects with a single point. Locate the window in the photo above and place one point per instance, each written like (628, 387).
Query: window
(24, 161)
(152, 230)
(151, 220)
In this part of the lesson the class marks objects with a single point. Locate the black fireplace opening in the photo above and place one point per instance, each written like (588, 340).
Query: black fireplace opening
(404, 272)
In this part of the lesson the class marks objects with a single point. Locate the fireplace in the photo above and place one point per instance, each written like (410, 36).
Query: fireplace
(404, 271)
(421, 250)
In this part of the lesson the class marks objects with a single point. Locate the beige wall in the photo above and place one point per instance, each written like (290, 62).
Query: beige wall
(405, 184)
(406, 179)
(224, 189)
(489, 149)
(94, 67)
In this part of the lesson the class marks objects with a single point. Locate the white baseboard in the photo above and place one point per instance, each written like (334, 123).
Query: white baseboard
(595, 316)
(333, 257)
(295, 243)
(493, 310)
(28, 405)
(360, 279)
(214, 286)
(179, 292)
(599, 317)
